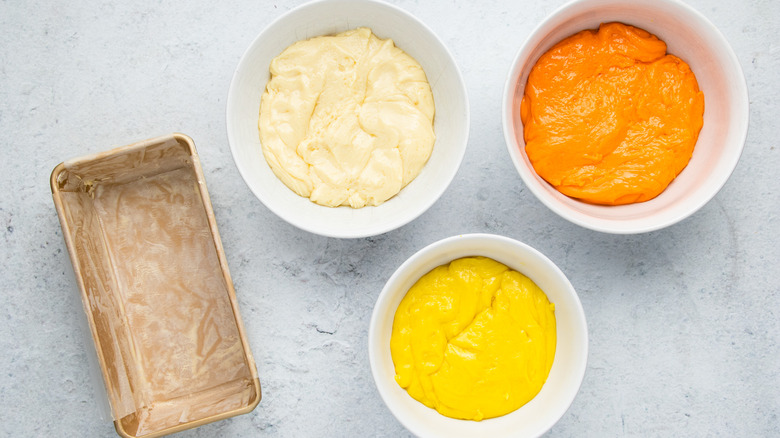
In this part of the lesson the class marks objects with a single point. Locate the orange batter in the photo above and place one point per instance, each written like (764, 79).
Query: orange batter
(609, 117)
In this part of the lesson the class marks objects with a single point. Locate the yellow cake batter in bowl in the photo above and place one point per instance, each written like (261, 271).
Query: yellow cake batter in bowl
(473, 339)
(478, 327)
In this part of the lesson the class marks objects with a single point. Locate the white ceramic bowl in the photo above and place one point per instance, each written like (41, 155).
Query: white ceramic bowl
(451, 122)
(688, 35)
(568, 369)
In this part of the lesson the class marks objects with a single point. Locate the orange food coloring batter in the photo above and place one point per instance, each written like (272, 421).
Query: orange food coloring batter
(609, 117)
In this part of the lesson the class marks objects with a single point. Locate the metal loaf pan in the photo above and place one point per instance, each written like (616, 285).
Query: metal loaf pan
(154, 281)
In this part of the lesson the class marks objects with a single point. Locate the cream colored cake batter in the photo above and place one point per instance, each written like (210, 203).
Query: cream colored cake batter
(346, 119)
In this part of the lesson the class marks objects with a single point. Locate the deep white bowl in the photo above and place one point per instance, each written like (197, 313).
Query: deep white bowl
(451, 122)
(566, 374)
(688, 35)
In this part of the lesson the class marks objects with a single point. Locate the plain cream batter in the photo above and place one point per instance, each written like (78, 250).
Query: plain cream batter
(346, 119)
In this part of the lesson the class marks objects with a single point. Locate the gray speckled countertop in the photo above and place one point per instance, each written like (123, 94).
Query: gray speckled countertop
(684, 322)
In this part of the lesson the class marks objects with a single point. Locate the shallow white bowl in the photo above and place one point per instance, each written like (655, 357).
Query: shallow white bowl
(451, 122)
(566, 374)
(688, 35)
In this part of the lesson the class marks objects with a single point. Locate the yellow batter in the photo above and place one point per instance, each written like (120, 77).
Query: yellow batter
(473, 339)
(346, 119)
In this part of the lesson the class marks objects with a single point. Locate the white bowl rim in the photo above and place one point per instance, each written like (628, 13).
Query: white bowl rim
(342, 233)
(385, 296)
(631, 226)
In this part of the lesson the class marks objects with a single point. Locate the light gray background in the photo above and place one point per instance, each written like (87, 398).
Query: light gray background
(683, 322)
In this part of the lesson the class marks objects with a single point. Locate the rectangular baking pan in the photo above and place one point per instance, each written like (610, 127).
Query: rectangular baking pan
(154, 281)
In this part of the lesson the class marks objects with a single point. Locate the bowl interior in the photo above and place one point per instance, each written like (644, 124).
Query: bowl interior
(688, 35)
(568, 369)
(451, 121)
